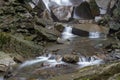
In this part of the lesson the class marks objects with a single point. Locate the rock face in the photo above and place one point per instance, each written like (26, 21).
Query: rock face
(70, 58)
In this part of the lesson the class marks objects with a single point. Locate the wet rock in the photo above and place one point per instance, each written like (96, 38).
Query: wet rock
(70, 58)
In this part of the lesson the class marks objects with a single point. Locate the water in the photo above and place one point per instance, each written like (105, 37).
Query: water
(52, 61)
(87, 61)
(94, 34)
(1, 78)
(67, 33)
(103, 11)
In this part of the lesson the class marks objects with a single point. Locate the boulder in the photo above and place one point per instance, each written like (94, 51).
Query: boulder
(3, 68)
(63, 12)
(47, 34)
(6, 60)
(83, 11)
(59, 27)
(103, 3)
(18, 58)
(86, 29)
(70, 58)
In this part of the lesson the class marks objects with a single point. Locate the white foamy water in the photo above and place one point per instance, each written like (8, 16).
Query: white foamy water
(83, 61)
(52, 61)
(103, 11)
(95, 62)
(31, 62)
(46, 59)
(1, 78)
(67, 33)
(49, 3)
(94, 34)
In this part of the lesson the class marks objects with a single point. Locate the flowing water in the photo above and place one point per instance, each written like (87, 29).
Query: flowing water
(50, 65)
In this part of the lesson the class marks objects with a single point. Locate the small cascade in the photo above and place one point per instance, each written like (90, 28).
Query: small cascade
(49, 60)
(87, 61)
(67, 33)
(53, 60)
(94, 34)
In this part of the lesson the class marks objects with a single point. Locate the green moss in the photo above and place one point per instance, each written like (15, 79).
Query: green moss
(4, 39)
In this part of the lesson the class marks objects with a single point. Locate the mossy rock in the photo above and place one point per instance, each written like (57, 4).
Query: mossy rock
(4, 39)
(23, 47)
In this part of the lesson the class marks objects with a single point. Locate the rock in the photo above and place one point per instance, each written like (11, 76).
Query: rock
(83, 11)
(18, 58)
(47, 34)
(43, 22)
(59, 27)
(3, 68)
(6, 59)
(85, 29)
(112, 3)
(46, 15)
(103, 4)
(63, 12)
(94, 8)
(1, 3)
(62, 41)
(99, 72)
(21, 46)
(70, 58)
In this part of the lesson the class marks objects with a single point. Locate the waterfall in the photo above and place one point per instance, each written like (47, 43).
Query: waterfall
(67, 33)
(94, 34)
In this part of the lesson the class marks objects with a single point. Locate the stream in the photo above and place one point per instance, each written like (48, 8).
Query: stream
(51, 63)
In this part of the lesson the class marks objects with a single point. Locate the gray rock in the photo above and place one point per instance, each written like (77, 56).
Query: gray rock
(63, 12)
(6, 60)
(103, 3)
(70, 58)
(47, 34)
